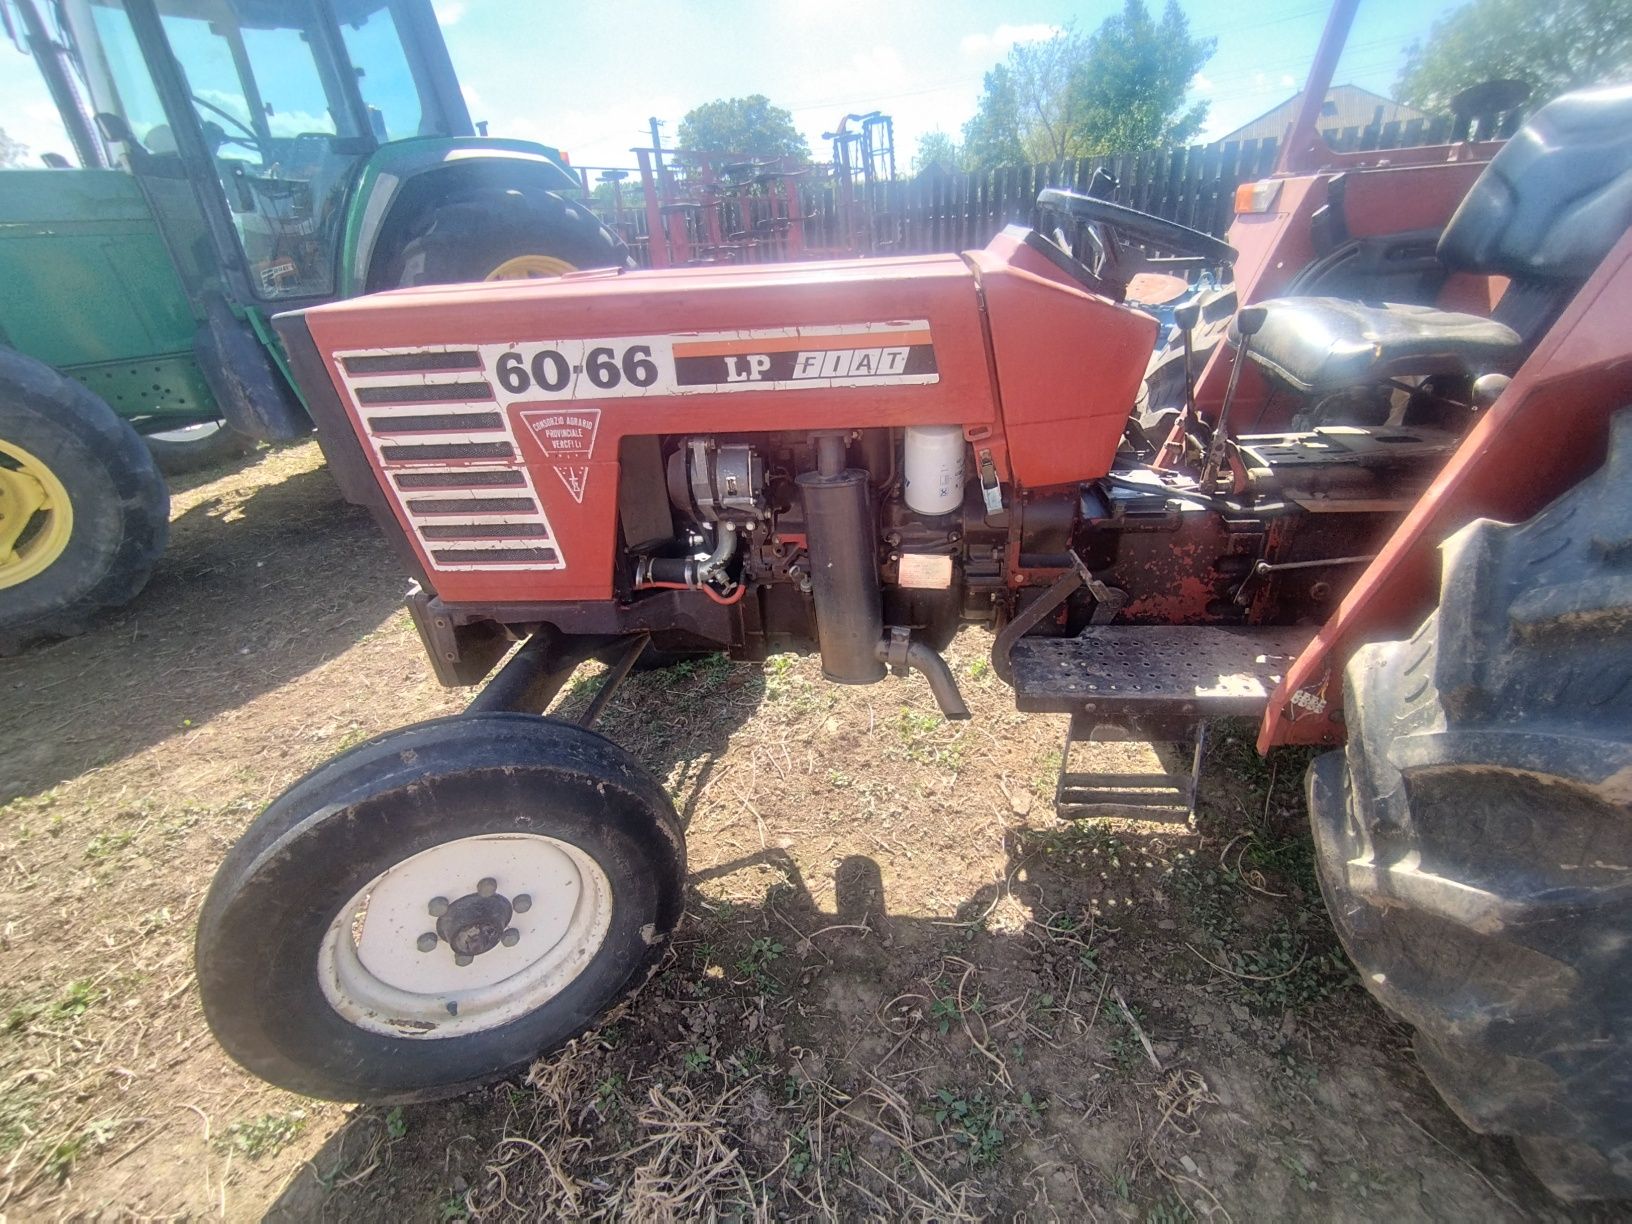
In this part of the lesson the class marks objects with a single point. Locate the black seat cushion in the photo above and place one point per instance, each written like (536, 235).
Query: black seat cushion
(1555, 198)
(1321, 343)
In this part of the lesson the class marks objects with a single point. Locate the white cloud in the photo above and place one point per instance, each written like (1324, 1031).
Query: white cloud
(448, 12)
(1260, 82)
(1202, 83)
(1288, 80)
(1000, 40)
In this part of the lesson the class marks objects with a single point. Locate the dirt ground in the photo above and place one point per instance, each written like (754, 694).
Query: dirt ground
(903, 987)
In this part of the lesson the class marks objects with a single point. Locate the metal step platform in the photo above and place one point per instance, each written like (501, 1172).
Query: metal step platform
(1155, 683)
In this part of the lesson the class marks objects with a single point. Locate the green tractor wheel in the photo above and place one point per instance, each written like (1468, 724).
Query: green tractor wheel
(84, 514)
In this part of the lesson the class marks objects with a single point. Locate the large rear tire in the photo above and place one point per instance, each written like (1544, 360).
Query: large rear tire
(432, 910)
(1475, 839)
(84, 513)
(525, 239)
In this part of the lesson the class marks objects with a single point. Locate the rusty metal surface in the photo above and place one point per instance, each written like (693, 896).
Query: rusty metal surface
(1187, 670)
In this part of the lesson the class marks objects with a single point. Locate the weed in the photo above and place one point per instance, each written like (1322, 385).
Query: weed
(266, 1135)
(74, 1003)
(747, 1062)
(1300, 1173)
(980, 668)
(944, 1010)
(452, 1207)
(973, 1120)
(1124, 1045)
(755, 965)
(105, 844)
(609, 1095)
(799, 1155)
(1170, 1211)
(90, 1137)
(697, 1059)
(395, 1125)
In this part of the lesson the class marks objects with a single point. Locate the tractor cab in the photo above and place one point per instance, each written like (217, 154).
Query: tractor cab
(249, 122)
(236, 158)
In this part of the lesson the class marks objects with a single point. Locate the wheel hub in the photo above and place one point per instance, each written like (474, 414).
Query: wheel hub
(36, 516)
(475, 924)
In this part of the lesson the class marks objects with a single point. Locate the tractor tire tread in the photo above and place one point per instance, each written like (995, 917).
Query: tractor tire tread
(34, 397)
(1473, 838)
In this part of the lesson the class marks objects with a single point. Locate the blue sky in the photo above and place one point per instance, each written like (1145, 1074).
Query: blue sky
(609, 65)
(585, 76)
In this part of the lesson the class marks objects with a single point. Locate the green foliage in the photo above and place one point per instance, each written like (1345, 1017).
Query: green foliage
(266, 1135)
(1128, 91)
(1553, 47)
(994, 136)
(937, 151)
(974, 1119)
(91, 1136)
(748, 125)
(1120, 89)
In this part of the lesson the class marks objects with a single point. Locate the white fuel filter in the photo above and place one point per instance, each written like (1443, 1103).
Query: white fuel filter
(933, 466)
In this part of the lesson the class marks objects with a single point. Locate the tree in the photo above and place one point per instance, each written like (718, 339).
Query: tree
(742, 125)
(937, 151)
(1554, 47)
(992, 137)
(12, 152)
(1129, 90)
(1120, 89)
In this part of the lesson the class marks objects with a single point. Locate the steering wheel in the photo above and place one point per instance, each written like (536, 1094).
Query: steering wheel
(1116, 221)
(249, 137)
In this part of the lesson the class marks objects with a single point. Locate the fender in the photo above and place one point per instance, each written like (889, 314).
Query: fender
(402, 176)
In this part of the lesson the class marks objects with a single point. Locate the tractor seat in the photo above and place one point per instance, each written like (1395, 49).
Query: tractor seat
(1544, 214)
(1321, 343)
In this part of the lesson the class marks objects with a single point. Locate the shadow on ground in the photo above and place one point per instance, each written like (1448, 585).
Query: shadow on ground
(1116, 1026)
(261, 582)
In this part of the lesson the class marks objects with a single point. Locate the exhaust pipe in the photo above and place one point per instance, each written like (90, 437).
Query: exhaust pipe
(903, 654)
(839, 534)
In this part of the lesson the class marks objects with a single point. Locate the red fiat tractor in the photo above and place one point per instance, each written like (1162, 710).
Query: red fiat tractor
(856, 458)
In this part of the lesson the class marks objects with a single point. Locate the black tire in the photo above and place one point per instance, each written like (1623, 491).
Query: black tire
(194, 448)
(343, 825)
(120, 506)
(468, 241)
(1473, 840)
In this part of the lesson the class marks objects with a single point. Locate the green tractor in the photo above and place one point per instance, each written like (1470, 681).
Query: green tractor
(237, 158)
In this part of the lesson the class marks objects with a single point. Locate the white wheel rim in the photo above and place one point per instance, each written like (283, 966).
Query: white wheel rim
(378, 969)
(202, 432)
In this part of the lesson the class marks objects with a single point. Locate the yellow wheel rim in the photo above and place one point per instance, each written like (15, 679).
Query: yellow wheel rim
(530, 267)
(36, 517)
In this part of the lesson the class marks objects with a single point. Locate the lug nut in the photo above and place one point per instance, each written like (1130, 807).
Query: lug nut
(510, 938)
(487, 887)
(461, 959)
(522, 904)
(438, 906)
(427, 942)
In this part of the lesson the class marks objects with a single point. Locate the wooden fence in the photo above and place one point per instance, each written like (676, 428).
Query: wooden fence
(938, 212)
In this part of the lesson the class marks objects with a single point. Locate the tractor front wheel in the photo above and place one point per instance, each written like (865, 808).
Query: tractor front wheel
(1475, 840)
(84, 513)
(436, 908)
